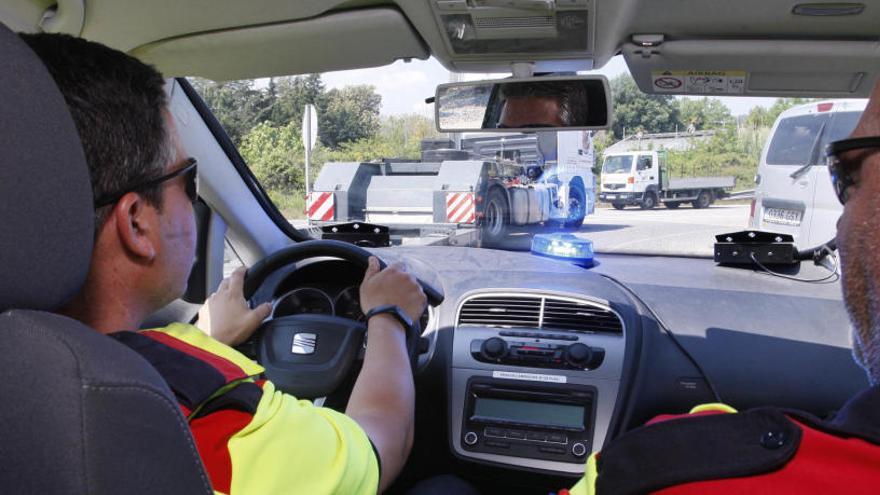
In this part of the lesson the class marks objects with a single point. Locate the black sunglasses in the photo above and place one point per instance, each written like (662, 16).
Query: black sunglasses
(840, 170)
(189, 168)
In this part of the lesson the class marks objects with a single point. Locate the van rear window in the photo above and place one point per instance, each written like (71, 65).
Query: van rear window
(794, 139)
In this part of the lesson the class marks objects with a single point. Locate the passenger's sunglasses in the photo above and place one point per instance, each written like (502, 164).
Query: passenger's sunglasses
(188, 168)
(841, 170)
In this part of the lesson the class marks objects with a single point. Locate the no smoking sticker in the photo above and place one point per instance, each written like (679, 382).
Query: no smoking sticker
(668, 83)
(699, 82)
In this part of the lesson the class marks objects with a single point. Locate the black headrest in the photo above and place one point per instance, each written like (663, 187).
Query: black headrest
(46, 212)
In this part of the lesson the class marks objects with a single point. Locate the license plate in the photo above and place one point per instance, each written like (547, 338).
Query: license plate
(612, 196)
(783, 216)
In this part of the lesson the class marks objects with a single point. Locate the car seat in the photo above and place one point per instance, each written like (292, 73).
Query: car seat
(80, 413)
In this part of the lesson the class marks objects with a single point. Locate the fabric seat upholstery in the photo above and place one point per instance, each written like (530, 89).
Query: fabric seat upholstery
(80, 413)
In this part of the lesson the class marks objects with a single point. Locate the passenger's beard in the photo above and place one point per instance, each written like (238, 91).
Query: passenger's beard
(862, 301)
(866, 350)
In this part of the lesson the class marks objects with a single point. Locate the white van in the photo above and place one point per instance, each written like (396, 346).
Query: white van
(793, 193)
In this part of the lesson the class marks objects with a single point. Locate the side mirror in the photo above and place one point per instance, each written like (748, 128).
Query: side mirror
(534, 104)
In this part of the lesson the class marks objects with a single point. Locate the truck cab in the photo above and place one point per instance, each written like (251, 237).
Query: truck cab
(642, 178)
(633, 178)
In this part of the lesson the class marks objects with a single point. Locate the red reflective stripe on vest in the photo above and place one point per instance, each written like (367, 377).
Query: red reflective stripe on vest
(668, 417)
(212, 434)
(227, 368)
(824, 463)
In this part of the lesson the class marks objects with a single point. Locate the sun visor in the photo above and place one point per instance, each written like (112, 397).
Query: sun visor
(783, 68)
(345, 40)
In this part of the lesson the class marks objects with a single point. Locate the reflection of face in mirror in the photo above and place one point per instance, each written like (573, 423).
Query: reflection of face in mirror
(525, 111)
(543, 104)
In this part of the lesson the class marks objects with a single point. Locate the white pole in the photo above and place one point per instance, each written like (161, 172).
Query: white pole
(308, 143)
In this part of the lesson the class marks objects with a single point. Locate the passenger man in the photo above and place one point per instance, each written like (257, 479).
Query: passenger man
(252, 438)
(770, 450)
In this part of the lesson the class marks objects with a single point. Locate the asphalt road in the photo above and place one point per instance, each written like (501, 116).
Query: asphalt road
(686, 230)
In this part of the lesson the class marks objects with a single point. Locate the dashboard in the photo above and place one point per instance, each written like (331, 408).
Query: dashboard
(328, 287)
(535, 363)
(312, 300)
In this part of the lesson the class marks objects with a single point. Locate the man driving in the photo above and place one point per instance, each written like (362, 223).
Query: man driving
(251, 437)
(715, 449)
(543, 104)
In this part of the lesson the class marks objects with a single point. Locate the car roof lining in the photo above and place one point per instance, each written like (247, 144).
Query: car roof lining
(307, 46)
(194, 38)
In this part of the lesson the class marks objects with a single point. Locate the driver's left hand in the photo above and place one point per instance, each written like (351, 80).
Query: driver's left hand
(226, 315)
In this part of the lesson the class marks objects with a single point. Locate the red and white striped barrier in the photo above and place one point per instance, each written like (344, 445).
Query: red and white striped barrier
(319, 206)
(460, 207)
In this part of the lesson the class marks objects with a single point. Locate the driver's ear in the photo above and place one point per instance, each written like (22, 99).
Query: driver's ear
(135, 223)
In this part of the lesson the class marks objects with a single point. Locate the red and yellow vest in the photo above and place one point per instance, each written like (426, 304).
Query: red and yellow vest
(252, 438)
(715, 449)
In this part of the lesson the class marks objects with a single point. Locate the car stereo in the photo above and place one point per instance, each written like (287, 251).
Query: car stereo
(539, 421)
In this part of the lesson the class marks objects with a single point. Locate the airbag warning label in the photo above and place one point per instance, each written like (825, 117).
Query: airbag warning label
(699, 82)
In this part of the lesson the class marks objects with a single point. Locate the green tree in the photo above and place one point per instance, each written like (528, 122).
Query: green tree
(703, 113)
(404, 134)
(351, 114)
(236, 104)
(293, 94)
(765, 117)
(635, 111)
(275, 155)
(758, 117)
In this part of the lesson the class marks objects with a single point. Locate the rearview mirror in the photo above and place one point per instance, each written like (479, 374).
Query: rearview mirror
(535, 104)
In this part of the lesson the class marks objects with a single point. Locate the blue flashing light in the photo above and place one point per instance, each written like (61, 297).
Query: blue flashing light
(566, 247)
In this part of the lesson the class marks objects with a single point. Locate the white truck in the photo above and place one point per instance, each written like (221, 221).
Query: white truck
(641, 178)
(491, 183)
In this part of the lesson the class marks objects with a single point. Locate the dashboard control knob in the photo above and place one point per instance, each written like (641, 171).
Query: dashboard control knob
(494, 348)
(579, 449)
(470, 438)
(578, 355)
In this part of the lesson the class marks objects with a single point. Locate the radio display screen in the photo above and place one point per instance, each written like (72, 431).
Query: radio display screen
(537, 413)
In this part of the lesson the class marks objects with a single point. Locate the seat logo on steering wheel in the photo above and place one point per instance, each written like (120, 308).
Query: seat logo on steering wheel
(304, 343)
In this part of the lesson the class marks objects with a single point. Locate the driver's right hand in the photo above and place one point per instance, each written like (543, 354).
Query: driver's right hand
(393, 285)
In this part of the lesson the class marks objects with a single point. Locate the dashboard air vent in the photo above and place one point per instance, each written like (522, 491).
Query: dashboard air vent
(578, 316)
(538, 312)
(501, 312)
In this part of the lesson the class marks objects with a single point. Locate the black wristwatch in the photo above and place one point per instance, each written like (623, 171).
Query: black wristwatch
(395, 311)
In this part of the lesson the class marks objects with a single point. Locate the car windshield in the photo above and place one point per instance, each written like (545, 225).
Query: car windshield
(617, 164)
(377, 158)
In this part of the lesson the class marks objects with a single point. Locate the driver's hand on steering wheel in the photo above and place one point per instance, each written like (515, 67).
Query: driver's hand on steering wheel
(393, 285)
(226, 315)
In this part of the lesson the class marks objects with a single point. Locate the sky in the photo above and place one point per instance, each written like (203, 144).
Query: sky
(404, 86)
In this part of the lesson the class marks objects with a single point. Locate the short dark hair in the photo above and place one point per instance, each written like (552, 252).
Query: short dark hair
(572, 97)
(118, 104)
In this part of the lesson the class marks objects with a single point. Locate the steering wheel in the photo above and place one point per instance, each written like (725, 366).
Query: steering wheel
(309, 355)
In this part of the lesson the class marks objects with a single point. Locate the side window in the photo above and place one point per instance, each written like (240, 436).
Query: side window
(644, 162)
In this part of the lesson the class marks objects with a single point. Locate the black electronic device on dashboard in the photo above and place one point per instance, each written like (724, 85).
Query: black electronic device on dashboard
(751, 246)
(358, 233)
(533, 350)
(548, 421)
